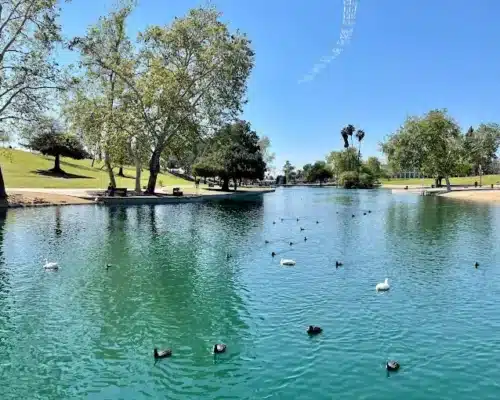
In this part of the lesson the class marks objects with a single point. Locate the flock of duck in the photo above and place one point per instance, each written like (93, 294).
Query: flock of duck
(391, 365)
(312, 330)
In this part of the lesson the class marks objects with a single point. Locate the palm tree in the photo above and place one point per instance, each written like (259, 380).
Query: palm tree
(360, 134)
(345, 136)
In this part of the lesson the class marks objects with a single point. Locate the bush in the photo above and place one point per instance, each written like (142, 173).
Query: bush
(349, 179)
(353, 180)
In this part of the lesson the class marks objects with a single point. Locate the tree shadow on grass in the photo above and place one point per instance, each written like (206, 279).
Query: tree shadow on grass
(61, 174)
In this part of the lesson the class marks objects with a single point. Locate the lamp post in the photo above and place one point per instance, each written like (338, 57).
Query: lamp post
(480, 176)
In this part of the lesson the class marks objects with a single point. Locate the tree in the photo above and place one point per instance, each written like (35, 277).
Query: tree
(269, 157)
(288, 168)
(48, 137)
(480, 147)
(192, 73)
(360, 134)
(347, 132)
(431, 144)
(319, 172)
(234, 153)
(374, 165)
(28, 34)
(342, 161)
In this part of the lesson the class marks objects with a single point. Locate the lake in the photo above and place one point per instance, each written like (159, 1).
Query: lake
(87, 332)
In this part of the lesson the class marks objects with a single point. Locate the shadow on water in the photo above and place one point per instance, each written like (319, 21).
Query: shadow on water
(58, 229)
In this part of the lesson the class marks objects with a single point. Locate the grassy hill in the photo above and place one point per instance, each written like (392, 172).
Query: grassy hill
(22, 169)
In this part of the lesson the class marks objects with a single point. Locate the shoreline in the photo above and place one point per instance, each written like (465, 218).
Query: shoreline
(41, 197)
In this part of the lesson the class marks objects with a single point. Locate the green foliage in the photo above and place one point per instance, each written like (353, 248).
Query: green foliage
(233, 153)
(319, 172)
(431, 144)
(265, 146)
(345, 160)
(347, 132)
(288, 168)
(354, 180)
(374, 167)
(480, 148)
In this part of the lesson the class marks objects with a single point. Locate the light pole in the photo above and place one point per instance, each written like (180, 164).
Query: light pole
(480, 176)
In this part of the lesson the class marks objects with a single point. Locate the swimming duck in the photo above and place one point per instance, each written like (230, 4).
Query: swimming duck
(266, 241)
(353, 215)
(476, 265)
(297, 220)
(305, 238)
(364, 213)
(338, 264)
(291, 243)
(228, 256)
(392, 365)
(162, 353)
(369, 211)
(314, 330)
(302, 229)
(287, 262)
(383, 287)
(317, 222)
(219, 348)
(108, 266)
(274, 222)
(273, 254)
(51, 265)
(281, 219)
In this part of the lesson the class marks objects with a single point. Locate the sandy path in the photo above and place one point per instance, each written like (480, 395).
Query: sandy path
(490, 196)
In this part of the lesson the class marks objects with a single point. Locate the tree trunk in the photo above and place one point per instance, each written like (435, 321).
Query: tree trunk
(448, 185)
(138, 171)
(225, 185)
(57, 164)
(120, 172)
(93, 161)
(3, 193)
(107, 163)
(235, 184)
(154, 170)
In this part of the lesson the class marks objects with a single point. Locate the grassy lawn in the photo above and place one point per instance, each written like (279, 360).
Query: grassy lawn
(467, 180)
(22, 169)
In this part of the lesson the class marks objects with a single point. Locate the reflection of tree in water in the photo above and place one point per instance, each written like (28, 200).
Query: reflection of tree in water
(434, 228)
(4, 281)
(58, 229)
(179, 290)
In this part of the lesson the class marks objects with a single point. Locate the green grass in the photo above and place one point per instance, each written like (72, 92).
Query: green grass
(467, 180)
(21, 170)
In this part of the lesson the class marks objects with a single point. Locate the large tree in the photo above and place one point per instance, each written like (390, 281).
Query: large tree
(319, 172)
(288, 169)
(192, 72)
(431, 144)
(481, 146)
(234, 153)
(29, 32)
(49, 138)
(265, 147)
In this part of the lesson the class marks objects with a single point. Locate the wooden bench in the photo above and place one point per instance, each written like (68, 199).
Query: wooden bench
(118, 191)
(177, 192)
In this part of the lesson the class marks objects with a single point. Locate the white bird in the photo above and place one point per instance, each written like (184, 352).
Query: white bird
(51, 265)
(383, 287)
(287, 262)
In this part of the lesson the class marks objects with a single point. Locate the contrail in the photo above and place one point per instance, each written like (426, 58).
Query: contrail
(346, 30)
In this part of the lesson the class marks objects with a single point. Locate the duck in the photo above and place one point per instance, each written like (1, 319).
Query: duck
(51, 265)
(297, 220)
(305, 238)
(219, 348)
(287, 262)
(364, 213)
(338, 264)
(353, 215)
(281, 219)
(383, 287)
(476, 265)
(392, 365)
(314, 330)
(162, 353)
(302, 229)
(108, 266)
(273, 254)
(228, 256)
(274, 222)
(291, 243)
(317, 222)
(266, 241)
(369, 211)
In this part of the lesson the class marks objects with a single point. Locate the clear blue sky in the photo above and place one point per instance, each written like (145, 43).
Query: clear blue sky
(405, 57)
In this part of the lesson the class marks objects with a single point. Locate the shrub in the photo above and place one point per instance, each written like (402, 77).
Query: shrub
(366, 181)
(349, 179)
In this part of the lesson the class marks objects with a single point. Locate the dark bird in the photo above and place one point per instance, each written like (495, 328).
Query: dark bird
(281, 219)
(338, 264)
(219, 348)
(314, 330)
(305, 239)
(297, 220)
(162, 353)
(369, 211)
(291, 243)
(317, 222)
(392, 365)
(108, 266)
(274, 222)
(266, 241)
(337, 212)
(228, 256)
(476, 265)
(364, 213)
(353, 215)
(301, 229)
(273, 253)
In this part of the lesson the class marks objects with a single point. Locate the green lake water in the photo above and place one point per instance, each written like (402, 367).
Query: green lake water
(85, 332)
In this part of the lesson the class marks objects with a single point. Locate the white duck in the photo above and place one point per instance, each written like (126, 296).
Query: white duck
(287, 262)
(51, 265)
(383, 287)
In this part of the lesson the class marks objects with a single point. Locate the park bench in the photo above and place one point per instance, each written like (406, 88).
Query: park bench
(118, 191)
(177, 192)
